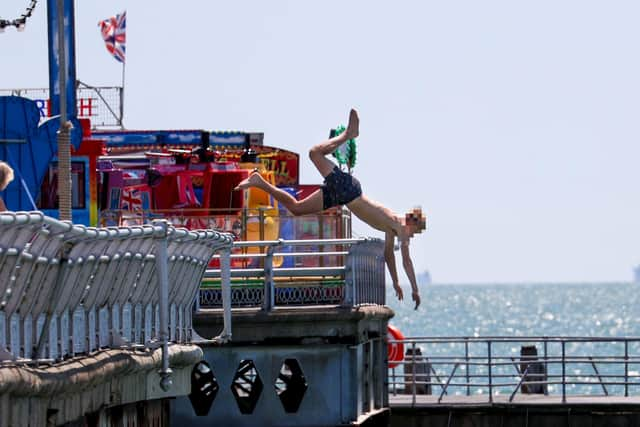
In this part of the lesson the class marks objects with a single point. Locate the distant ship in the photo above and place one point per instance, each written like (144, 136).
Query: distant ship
(424, 278)
(636, 274)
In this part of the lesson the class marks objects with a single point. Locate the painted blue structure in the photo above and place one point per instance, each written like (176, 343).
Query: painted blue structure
(28, 148)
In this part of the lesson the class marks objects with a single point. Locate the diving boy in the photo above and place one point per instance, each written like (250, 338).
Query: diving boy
(341, 188)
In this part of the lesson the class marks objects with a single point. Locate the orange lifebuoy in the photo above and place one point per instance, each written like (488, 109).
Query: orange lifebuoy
(395, 350)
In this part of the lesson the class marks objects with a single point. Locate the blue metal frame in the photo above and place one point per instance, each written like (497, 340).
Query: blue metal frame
(55, 68)
(79, 216)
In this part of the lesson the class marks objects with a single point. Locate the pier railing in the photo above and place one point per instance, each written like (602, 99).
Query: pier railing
(268, 274)
(245, 223)
(506, 367)
(68, 289)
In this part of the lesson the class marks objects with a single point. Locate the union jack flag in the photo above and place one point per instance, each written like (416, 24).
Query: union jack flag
(114, 31)
(131, 199)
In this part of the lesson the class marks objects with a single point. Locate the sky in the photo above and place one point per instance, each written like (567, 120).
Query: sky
(513, 124)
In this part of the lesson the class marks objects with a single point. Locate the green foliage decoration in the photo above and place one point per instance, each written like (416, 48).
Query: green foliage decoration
(346, 153)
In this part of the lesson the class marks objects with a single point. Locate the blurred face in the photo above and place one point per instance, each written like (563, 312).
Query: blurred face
(410, 230)
(415, 222)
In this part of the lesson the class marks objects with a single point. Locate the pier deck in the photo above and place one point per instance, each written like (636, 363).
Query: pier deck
(523, 410)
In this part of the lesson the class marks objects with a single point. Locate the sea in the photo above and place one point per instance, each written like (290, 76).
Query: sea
(521, 310)
(549, 309)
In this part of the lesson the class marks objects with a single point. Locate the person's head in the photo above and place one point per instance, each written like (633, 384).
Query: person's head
(6, 175)
(415, 221)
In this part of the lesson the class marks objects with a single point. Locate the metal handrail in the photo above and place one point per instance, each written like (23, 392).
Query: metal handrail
(359, 271)
(281, 272)
(312, 242)
(585, 359)
(70, 274)
(290, 254)
(488, 367)
(522, 339)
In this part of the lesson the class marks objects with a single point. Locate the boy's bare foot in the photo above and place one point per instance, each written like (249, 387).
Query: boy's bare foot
(353, 128)
(252, 180)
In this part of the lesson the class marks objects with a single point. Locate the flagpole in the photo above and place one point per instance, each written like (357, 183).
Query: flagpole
(122, 97)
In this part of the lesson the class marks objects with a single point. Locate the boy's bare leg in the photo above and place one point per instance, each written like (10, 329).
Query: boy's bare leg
(253, 180)
(310, 204)
(352, 131)
(319, 151)
(353, 127)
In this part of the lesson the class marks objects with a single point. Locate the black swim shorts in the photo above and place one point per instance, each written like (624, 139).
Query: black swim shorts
(339, 188)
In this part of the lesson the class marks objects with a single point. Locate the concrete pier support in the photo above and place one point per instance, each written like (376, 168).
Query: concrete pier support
(311, 366)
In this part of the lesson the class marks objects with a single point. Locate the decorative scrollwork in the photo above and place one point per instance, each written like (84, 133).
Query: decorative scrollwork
(241, 296)
(251, 296)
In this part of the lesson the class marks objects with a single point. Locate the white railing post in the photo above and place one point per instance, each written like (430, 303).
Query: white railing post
(349, 281)
(163, 293)
(225, 273)
(564, 373)
(269, 284)
(489, 363)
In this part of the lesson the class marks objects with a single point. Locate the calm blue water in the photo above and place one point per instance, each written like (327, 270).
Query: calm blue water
(589, 310)
(611, 309)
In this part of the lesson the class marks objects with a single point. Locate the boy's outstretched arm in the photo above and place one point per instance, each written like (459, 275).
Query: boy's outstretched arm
(408, 268)
(390, 259)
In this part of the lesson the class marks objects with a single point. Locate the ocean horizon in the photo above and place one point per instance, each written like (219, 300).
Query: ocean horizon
(533, 283)
(522, 309)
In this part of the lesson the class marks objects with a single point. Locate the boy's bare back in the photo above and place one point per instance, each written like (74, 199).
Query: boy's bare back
(376, 215)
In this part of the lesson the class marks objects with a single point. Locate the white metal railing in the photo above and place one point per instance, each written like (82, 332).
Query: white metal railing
(68, 289)
(506, 366)
(355, 268)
